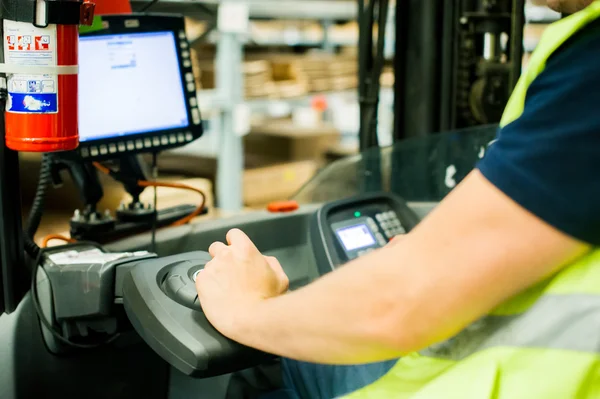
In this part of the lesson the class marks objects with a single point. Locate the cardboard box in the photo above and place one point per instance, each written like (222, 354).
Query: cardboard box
(279, 158)
(277, 182)
(262, 183)
(284, 141)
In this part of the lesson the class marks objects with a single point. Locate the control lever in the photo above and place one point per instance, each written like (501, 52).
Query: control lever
(179, 283)
(159, 296)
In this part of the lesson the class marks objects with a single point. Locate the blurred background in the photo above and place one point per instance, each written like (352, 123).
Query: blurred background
(284, 76)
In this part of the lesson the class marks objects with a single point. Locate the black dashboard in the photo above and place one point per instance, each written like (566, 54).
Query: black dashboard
(161, 301)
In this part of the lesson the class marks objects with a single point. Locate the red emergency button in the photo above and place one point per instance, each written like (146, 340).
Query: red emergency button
(283, 206)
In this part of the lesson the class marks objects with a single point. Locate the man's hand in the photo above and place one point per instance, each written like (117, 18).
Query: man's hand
(237, 278)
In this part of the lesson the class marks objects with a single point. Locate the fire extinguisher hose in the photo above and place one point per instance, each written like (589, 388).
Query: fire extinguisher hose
(37, 207)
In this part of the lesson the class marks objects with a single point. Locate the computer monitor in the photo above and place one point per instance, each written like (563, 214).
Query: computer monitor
(137, 90)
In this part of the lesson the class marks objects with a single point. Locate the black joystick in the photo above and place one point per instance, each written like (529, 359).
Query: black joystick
(159, 296)
(179, 283)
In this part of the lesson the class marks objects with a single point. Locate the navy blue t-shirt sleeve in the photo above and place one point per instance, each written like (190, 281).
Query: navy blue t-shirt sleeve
(548, 160)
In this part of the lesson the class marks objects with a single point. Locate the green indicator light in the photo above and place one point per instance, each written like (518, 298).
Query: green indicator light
(357, 214)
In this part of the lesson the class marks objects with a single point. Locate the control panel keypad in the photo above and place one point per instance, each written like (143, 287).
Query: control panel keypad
(372, 224)
(390, 224)
(380, 239)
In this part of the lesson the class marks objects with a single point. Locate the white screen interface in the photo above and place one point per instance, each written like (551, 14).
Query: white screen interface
(356, 237)
(129, 84)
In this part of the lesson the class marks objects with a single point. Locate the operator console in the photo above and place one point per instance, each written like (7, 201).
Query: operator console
(159, 295)
(161, 300)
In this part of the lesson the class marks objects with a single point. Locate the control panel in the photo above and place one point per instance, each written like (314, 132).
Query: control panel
(345, 230)
(161, 300)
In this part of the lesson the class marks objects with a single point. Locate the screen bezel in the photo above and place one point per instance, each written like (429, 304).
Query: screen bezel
(159, 140)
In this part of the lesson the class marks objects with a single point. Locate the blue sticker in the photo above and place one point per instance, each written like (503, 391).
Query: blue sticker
(32, 103)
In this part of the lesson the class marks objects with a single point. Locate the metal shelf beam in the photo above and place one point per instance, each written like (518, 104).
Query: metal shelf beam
(282, 9)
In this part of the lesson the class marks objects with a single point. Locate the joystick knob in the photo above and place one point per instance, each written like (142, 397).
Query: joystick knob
(179, 283)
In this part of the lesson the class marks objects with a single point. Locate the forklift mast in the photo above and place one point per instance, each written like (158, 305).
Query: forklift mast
(457, 62)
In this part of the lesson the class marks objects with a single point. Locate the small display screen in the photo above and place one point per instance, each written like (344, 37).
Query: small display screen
(355, 237)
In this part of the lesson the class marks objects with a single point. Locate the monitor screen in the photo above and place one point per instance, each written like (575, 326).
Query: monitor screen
(356, 237)
(129, 84)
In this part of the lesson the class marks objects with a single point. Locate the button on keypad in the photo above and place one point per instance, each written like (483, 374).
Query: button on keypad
(390, 224)
(392, 227)
(372, 224)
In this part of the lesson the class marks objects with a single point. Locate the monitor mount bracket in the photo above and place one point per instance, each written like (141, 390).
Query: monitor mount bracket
(91, 224)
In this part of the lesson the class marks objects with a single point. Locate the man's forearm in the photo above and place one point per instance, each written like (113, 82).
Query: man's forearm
(476, 250)
(339, 319)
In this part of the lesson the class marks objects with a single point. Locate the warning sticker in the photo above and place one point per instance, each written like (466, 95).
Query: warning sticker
(27, 45)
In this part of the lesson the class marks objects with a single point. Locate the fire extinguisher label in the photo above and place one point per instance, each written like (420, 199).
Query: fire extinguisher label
(27, 45)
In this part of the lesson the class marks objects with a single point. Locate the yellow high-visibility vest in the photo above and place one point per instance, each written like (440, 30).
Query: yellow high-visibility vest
(543, 343)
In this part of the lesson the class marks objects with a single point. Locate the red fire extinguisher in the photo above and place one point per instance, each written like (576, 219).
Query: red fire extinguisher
(41, 110)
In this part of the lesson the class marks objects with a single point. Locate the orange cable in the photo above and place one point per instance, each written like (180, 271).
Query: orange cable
(144, 183)
(51, 237)
(102, 168)
(192, 215)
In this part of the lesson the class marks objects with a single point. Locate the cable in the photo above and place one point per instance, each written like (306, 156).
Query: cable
(371, 61)
(37, 207)
(377, 68)
(192, 215)
(51, 237)
(102, 168)
(148, 6)
(42, 316)
(155, 205)
(31, 248)
(144, 183)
